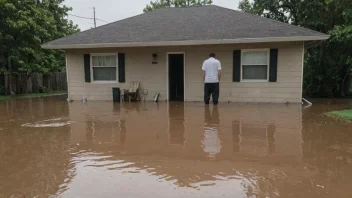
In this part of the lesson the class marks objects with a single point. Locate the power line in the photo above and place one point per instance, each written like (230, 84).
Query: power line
(88, 18)
(102, 20)
(80, 16)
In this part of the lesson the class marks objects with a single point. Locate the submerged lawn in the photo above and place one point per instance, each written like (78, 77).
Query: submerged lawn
(344, 114)
(32, 95)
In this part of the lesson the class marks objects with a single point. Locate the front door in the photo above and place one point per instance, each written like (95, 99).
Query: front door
(176, 77)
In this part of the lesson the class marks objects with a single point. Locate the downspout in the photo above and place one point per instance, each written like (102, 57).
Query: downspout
(306, 101)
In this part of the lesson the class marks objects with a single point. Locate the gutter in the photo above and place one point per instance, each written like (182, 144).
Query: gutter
(187, 42)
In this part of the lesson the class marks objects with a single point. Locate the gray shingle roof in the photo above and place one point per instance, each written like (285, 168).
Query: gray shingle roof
(185, 24)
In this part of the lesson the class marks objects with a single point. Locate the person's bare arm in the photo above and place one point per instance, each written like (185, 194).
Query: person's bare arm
(219, 74)
(219, 71)
(203, 69)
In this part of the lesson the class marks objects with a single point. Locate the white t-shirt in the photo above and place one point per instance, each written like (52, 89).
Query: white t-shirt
(211, 67)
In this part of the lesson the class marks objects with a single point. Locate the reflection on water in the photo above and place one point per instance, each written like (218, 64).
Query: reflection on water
(34, 162)
(210, 142)
(176, 124)
(173, 150)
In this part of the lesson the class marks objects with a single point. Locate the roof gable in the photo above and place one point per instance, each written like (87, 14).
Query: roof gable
(202, 24)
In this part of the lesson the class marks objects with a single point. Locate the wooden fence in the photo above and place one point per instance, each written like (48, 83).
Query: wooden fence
(56, 81)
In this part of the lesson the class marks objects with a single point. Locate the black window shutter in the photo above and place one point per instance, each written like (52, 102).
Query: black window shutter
(87, 67)
(273, 65)
(236, 75)
(122, 72)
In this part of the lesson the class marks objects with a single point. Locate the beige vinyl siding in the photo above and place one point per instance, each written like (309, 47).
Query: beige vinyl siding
(153, 77)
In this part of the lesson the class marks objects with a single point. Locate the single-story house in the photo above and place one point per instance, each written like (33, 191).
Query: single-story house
(262, 59)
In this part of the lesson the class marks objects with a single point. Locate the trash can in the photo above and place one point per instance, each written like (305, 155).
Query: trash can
(116, 94)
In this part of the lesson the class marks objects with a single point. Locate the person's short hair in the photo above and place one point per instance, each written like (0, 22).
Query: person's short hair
(212, 55)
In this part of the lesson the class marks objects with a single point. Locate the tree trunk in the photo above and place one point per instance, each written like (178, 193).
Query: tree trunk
(347, 84)
(23, 83)
(9, 78)
(345, 81)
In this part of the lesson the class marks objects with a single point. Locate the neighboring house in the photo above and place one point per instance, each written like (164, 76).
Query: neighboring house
(262, 59)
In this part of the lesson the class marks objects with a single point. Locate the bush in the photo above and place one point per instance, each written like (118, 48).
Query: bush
(2, 90)
(43, 90)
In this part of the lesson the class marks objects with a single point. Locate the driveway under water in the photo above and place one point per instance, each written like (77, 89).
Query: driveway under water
(52, 148)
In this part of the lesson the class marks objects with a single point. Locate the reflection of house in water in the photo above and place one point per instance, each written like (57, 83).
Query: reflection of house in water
(119, 125)
(105, 132)
(253, 137)
(122, 127)
(253, 129)
(259, 145)
(267, 129)
(242, 133)
(270, 134)
(176, 127)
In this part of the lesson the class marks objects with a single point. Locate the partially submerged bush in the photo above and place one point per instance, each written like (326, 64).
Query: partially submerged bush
(2, 90)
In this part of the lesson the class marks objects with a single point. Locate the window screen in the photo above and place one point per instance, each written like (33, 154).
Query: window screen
(104, 68)
(104, 74)
(255, 65)
(255, 72)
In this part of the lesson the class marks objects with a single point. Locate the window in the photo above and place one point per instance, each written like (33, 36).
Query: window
(255, 65)
(104, 67)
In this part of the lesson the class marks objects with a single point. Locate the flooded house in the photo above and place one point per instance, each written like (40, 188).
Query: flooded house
(262, 59)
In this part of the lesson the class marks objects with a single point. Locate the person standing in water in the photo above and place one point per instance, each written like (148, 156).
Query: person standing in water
(211, 77)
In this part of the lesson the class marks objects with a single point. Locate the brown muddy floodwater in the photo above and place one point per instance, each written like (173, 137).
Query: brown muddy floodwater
(52, 148)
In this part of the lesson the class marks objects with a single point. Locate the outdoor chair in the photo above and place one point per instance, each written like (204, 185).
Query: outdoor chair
(133, 92)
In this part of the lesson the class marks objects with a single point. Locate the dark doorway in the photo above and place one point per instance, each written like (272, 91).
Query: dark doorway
(176, 77)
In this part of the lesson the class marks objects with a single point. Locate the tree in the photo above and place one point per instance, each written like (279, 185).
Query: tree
(157, 4)
(327, 68)
(25, 25)
(246, 6)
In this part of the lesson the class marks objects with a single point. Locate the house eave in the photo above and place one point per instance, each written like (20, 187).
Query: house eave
(188, 42)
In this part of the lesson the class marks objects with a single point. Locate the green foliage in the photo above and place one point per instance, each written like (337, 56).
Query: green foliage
(247, 6)
(327, 69)
(32, 95)
(2, 90)
(27, 24)
(344, 114)
(329, 66)
(157, 4)
(45, 90)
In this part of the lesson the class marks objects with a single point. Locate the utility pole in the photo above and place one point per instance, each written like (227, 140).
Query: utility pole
(95, 21)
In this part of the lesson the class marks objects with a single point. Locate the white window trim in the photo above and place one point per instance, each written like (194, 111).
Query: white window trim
(91, 68)
(268, 63)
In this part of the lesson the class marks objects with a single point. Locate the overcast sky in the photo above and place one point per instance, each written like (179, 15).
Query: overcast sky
(114, 10)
